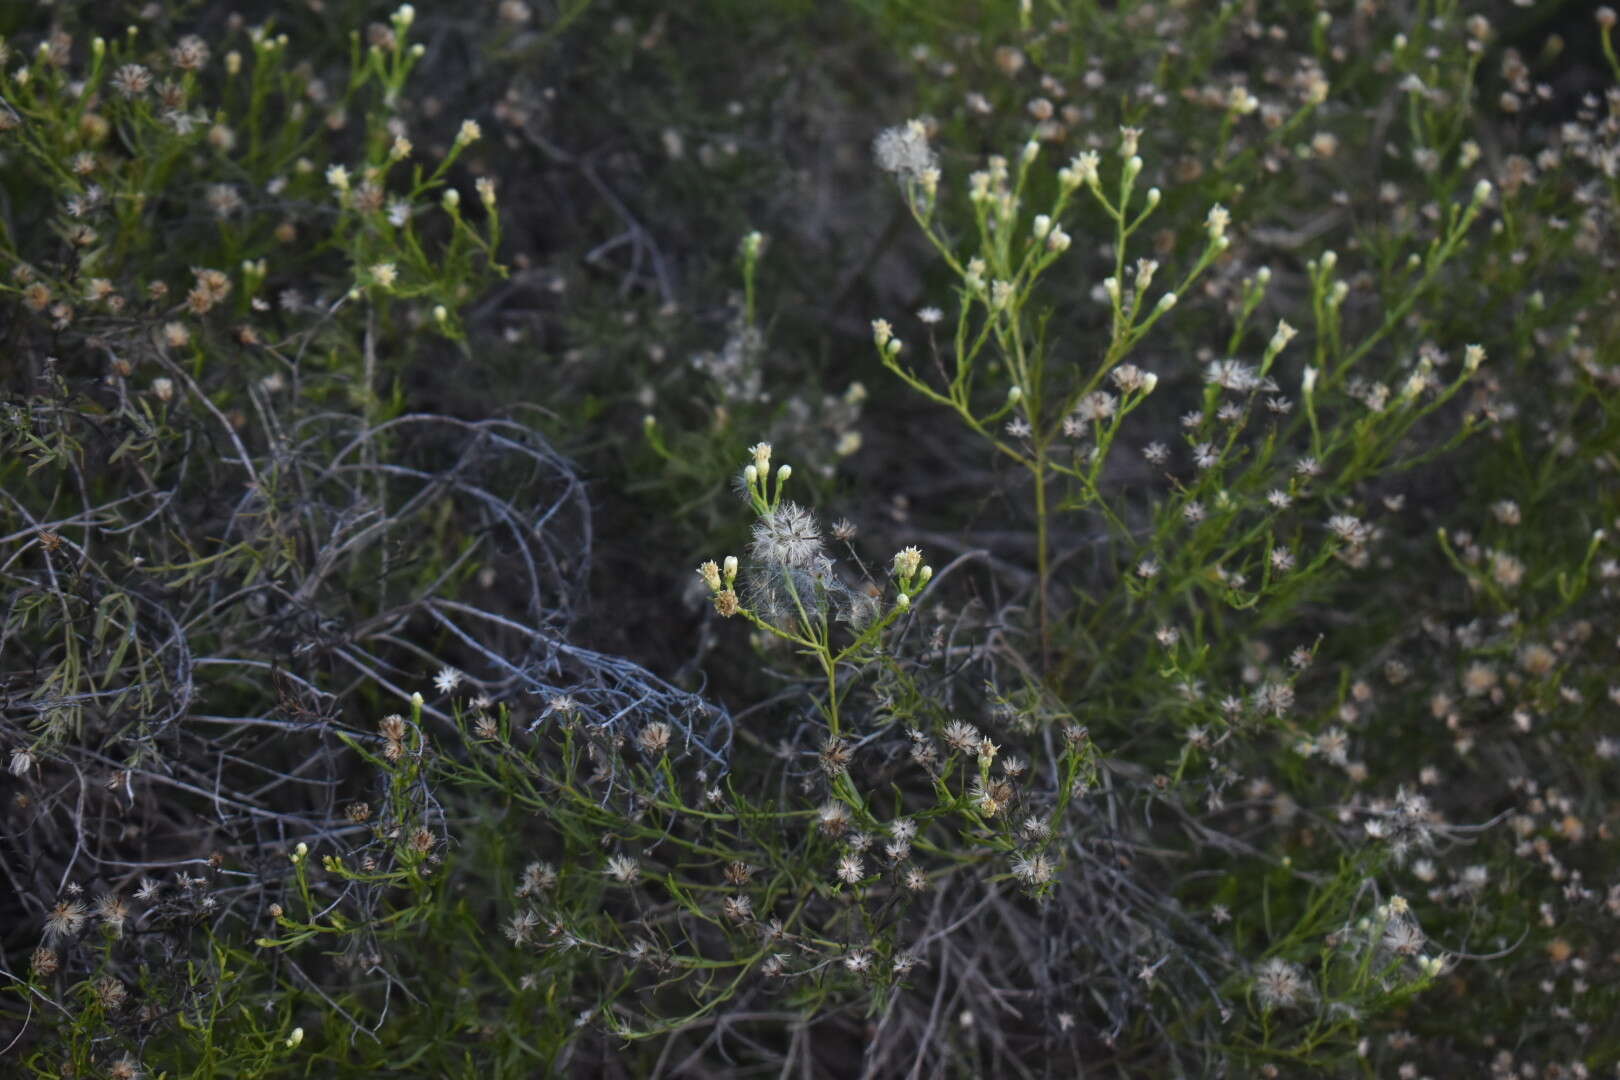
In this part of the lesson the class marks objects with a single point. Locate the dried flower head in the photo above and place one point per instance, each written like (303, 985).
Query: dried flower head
(1279, 984)
(65, 919)
(904, 150)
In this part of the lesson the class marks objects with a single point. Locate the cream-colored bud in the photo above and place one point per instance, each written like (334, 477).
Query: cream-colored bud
(1041, 226)
(439, 313)
(1166, 302)
(782, 475)
(730, 569)
(762, 455)
(295, 1038)
(1307, 382)
(1482, 191)
(881, 332)
(750, 475)
(1283, 335)
(1153, 197)
(1133, 166)
(1015, 394)
(1149, 381)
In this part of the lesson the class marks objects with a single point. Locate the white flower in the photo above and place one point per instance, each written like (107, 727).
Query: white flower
(447, 679)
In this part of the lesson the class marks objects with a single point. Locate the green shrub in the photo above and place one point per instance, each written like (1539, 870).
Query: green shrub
(1181, 649)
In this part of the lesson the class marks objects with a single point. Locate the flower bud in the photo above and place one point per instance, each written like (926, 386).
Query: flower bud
(730, 569)
(1166, 302)
(782, 475)
(295, 1038)
(1042, 225)
(1283, 335)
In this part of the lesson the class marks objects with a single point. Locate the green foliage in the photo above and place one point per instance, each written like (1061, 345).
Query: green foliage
(1180, 650)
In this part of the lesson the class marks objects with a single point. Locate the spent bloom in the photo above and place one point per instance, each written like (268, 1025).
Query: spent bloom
(1279, 984)
(65, 919)
(904, 151)
(788, 537)
(1033, 869)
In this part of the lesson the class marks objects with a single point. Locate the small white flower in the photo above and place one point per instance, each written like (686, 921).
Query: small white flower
(447, 679)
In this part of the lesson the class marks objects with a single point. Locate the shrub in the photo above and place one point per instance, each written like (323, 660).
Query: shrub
(1152, 546)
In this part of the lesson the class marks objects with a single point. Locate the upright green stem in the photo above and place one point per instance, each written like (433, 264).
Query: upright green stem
(1043, 567)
